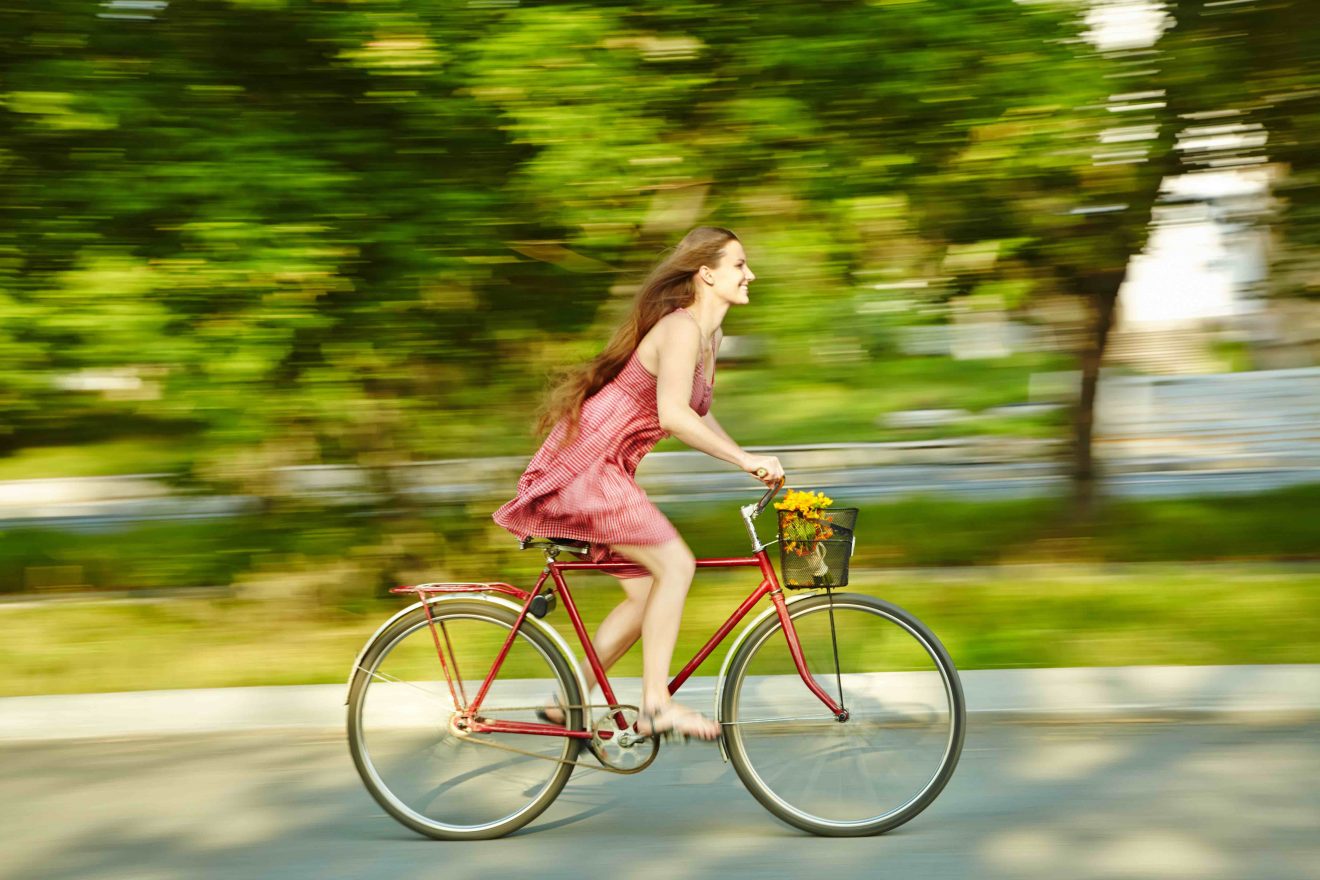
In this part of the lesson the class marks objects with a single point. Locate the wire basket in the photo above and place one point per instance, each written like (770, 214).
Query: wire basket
(815, 553)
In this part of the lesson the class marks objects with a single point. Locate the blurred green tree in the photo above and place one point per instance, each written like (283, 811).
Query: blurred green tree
(329, 232)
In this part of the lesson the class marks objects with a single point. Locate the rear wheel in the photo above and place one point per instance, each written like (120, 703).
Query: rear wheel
(899, 745)
(427, 772)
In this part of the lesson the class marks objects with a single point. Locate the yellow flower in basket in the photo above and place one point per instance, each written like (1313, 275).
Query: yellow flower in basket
(815, 542)
(803, 520)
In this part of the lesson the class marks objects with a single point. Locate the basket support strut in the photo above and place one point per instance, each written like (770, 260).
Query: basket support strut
(834, 642)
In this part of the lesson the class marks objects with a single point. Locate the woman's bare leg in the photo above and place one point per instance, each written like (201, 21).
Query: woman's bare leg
(672, 567)
(621, 628)
(618, 632)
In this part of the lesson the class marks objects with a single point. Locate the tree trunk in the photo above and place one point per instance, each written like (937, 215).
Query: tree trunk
(1101, 292)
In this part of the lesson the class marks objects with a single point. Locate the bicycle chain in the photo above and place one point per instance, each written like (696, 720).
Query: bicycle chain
(467, 736)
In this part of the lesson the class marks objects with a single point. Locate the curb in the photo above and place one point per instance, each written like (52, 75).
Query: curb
(1283, 693)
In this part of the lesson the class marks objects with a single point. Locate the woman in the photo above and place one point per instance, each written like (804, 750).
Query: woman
(654, 379)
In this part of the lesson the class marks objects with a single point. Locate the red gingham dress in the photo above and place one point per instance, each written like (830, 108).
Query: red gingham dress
(587, 490)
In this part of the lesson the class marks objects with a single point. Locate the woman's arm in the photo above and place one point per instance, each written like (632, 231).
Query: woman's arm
(710, 422)
(678, 350)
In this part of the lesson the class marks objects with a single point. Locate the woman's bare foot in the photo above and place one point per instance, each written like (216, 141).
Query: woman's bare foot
(674, 718)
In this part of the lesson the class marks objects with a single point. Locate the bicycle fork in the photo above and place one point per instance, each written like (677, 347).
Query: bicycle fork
(799, 661)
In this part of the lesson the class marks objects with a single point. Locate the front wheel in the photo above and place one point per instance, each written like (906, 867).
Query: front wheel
(414, 756)
(904, 731)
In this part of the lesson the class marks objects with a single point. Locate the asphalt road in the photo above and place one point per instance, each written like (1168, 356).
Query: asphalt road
(1118, 800)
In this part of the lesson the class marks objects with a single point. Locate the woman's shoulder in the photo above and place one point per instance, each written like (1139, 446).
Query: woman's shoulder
(674, 333)
(675, 326)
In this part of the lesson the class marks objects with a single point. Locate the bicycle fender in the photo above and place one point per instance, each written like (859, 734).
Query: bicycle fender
(733, 649)
(529, 620)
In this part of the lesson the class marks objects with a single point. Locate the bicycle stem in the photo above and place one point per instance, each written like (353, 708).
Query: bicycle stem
(751, 511)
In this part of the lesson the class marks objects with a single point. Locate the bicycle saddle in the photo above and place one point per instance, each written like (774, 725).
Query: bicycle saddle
(581, 548)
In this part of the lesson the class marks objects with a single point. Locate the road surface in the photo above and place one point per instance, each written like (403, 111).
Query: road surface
(1116, 800)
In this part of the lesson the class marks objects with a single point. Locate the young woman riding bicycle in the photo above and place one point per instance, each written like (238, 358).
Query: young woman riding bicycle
(654, 379)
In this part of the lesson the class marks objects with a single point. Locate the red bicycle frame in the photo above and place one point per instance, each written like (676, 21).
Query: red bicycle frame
(469, 710)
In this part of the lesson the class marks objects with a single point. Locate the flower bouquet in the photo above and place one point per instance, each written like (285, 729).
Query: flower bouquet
(815, 540)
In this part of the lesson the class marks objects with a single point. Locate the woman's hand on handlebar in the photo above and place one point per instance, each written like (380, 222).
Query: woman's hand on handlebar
(765, 468)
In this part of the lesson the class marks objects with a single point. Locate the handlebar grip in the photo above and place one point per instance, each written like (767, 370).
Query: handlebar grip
(770, 493)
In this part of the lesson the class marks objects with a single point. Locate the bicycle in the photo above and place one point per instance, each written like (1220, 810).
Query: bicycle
(850, 724)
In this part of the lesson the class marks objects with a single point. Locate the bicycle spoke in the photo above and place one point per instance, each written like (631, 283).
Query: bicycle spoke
(870, 772)
(380, 676)
(743, 722)
(442, 781)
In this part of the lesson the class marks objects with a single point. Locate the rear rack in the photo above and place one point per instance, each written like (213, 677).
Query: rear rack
(424, 590)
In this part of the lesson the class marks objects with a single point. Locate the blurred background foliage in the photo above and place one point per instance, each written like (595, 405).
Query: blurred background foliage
(305, 232)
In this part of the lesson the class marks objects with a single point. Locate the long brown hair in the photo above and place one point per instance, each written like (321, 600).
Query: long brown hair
(668, 287)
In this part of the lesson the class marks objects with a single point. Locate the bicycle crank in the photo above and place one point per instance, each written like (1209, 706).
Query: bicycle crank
(623, 751)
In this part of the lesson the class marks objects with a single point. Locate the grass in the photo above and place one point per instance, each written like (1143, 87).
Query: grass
(311, 582)
(1021, 616)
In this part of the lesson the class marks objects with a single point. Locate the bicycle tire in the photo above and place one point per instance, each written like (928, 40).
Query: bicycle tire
(899, 685)
(428, 776)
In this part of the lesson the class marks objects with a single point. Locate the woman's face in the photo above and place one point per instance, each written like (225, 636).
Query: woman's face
(729, 280)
